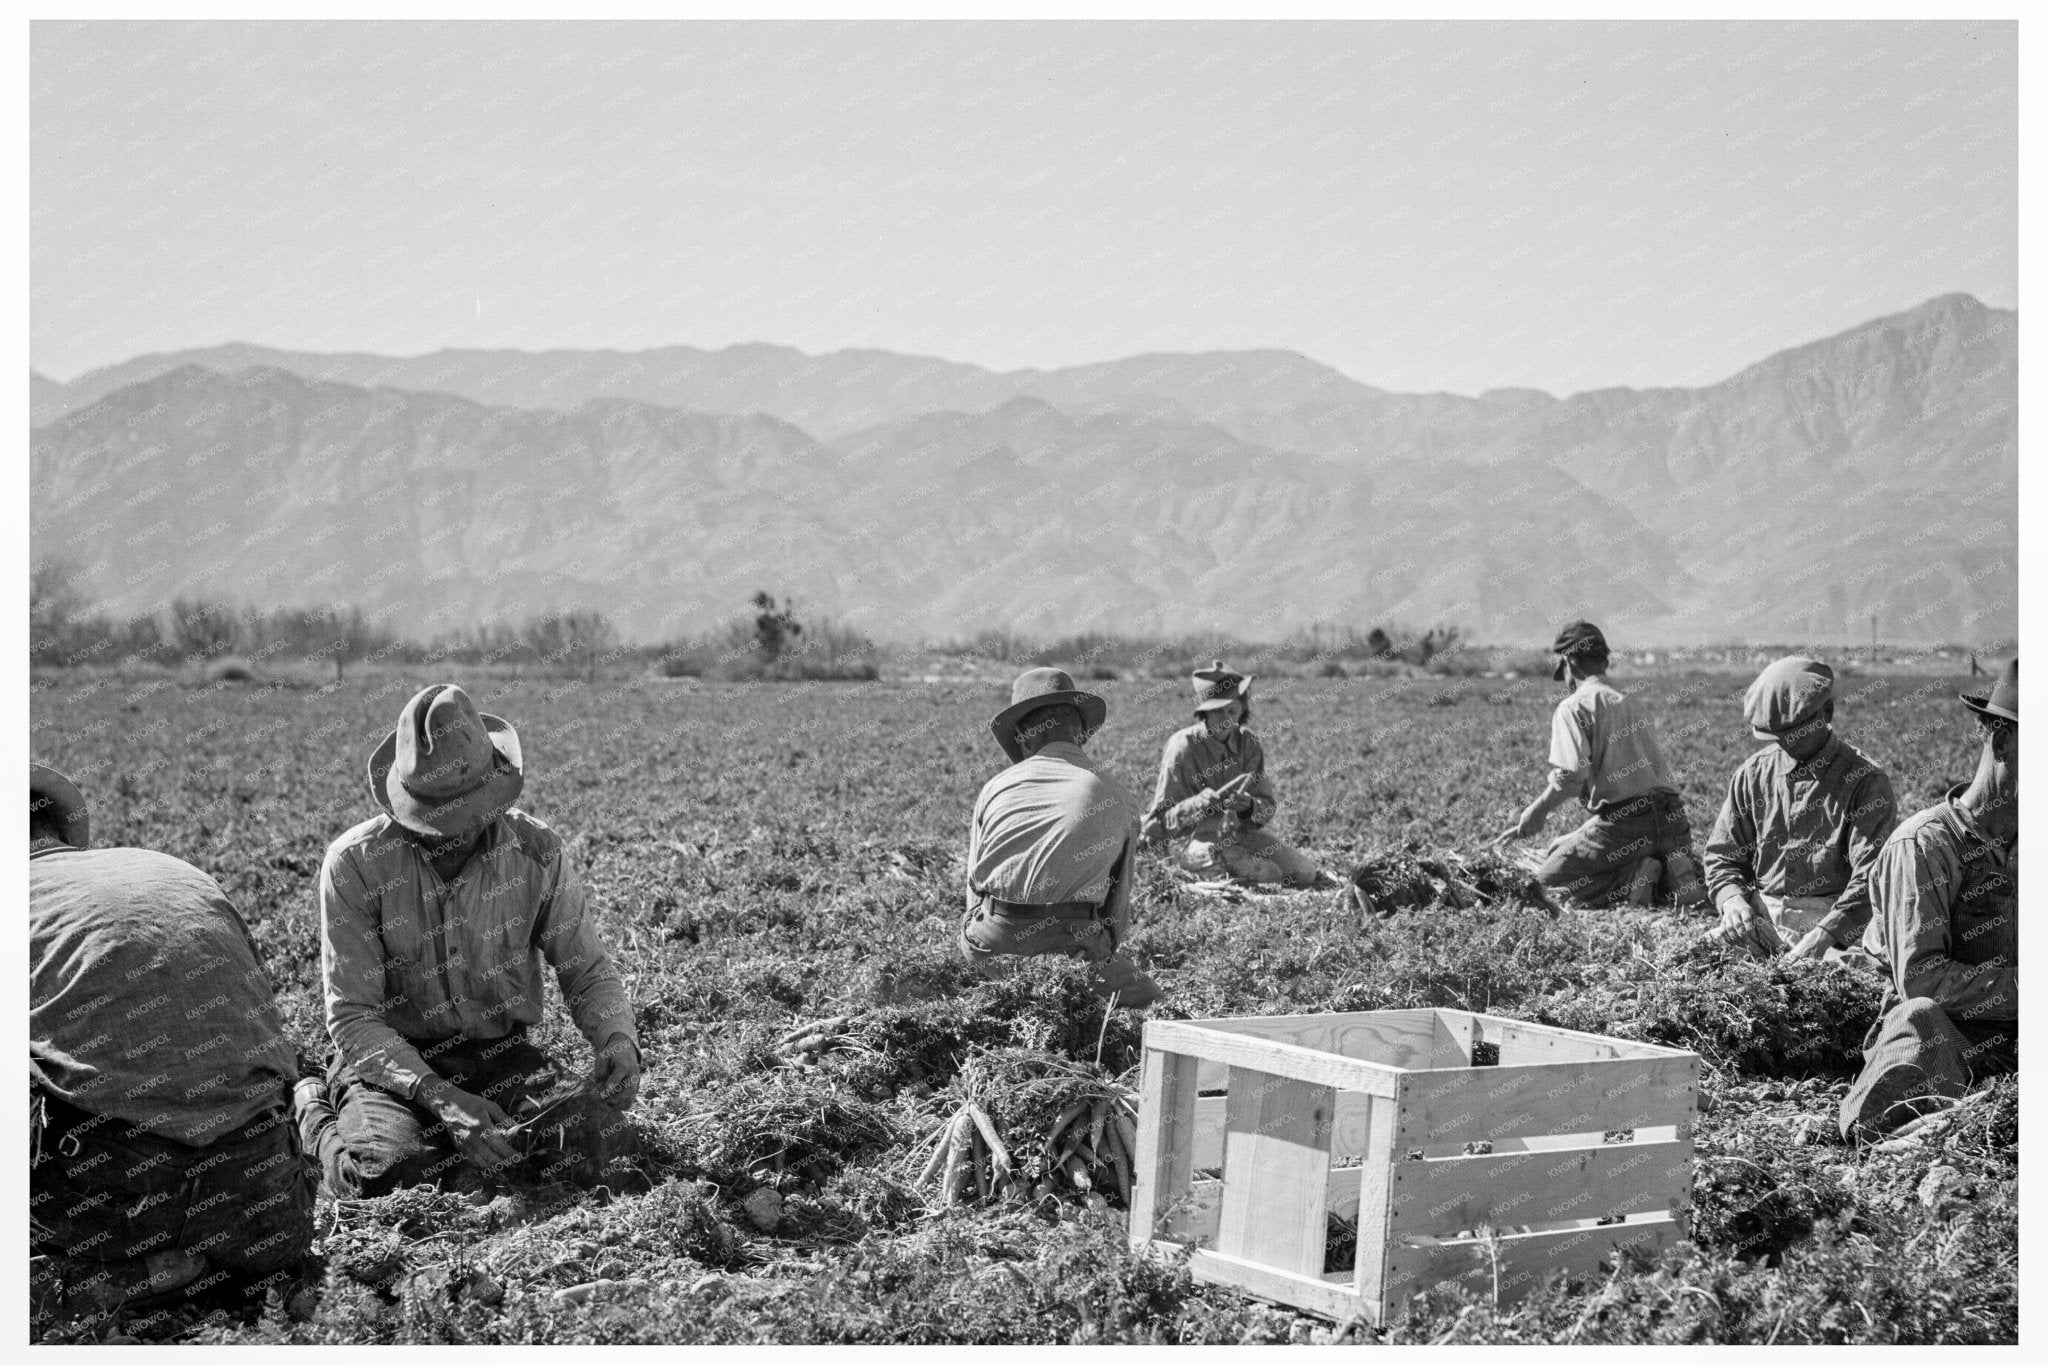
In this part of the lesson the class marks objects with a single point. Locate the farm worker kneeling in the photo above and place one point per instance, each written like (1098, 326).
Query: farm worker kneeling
(1944, 893)
(1213, 788)
(1050, 848)
(434, 917)
(163, 1155)
(1789, 860)
(1603, 751)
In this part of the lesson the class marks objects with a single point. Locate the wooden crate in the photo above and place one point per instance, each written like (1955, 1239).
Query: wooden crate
(1253, 1131)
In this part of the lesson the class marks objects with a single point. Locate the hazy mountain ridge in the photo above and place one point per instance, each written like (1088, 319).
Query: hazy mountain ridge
(1875, 470)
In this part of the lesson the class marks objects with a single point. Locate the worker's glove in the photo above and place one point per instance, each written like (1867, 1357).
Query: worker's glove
(615, 1075)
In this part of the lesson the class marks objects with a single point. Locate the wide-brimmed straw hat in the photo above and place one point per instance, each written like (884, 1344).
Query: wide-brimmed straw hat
(1043, 687)
(2003, 702)
(448, 769)
(47, 785)
(1216, 687)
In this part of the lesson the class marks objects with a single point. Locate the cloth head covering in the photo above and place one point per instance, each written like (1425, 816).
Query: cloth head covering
(48, 786)
(2003, 701)
(1043, 687)
(1578, 637)
(448, 769)
(1216, 687)
(1786, 695)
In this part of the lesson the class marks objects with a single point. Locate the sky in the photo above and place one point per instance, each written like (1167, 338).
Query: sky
(1458, 206)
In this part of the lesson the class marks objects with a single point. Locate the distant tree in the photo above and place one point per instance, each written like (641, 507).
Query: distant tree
(1377, 644)
(572, 636)
(774, 627)
(54, 602)
(202, 629)
(341, 633)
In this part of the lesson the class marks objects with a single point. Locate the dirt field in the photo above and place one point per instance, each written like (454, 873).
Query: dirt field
(766, 854)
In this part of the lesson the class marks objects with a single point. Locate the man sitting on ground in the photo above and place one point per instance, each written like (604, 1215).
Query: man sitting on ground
(1604, 753)
(1050, 848)
(433, 919)
(1789, 860)
(160, 1080)
(1944, 894)
(1214, 789)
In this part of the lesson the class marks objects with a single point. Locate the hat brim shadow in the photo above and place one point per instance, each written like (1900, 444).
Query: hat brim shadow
(458, 816)
(1094, 710)
(66, 801)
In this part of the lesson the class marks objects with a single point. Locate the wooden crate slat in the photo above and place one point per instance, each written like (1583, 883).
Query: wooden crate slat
(1451, 1044)
(1349, 1132)
(1445, 1196)
(1533, 1042)
(1553, 1142)
(1524, 1261)
(1166, 1139)
(1396, 1038)
(1311, 1294)
(1276, 1170)
(1275, 1058)
(1476, 1103)
(1369, 1270)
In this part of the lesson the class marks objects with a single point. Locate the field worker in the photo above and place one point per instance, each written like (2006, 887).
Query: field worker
(1603, 751)
(434, 917)
(162, 1151)
(1789, 860)
(1213, 788)
(1944, 893)
(1050, 848)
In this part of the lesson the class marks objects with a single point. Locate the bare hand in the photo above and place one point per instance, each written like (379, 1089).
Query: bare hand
(1811, 948)
(475, 1125)
(615, 1075)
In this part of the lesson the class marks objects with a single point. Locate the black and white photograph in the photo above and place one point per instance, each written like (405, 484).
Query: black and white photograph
(1008, 679)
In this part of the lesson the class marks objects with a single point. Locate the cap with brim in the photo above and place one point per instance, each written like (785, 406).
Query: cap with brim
(447, 810)
(1217, 687)
(46, 784)
(1579, 637)
(2003, 702)
(1043, 687)
(1787, 695)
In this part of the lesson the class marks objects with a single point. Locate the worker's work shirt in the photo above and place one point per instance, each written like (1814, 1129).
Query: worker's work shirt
(1602, 748)
(407, 958)
(1193, 763)
(147, 1002)
(1051, 829)
(1804, 829)
(1945, 921)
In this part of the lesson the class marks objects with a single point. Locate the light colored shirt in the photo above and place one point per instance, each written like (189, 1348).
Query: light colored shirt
(1052, 829)
(1192, 763)
(407, 958)
(1804, 829)
(147, 1002)
(1945, 919)
(1602, 748)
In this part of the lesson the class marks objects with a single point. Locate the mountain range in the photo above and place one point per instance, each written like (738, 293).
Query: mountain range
(1871, 472)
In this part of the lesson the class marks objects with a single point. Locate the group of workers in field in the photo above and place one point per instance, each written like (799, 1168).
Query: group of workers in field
(178, 1137)
(1807, 857)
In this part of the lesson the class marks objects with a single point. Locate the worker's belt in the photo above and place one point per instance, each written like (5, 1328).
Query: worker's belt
(1010, 910)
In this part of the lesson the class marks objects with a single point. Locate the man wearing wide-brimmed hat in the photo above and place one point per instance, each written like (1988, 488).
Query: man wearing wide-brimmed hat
(1050, 847)
(1788, 863)
(1214, 789)
(163, 1153)
(1604, 753)
(1944, 893)
(434, 918)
